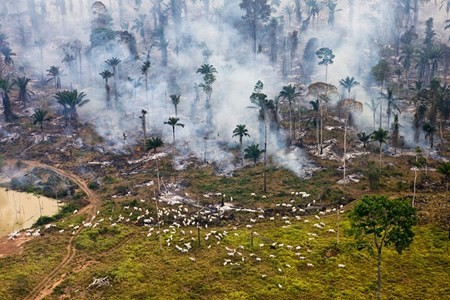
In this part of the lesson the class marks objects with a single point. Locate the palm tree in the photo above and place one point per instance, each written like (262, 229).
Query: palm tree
(113, 62)
(391, 105)
(5, 87)
(429, 133)
(106, 74)
(175, 101)
(173, 121)
(139, 26)
(154, 143)
(380, 136)
(207, 71)
(373, 107)
(70, 101)
(55, 75)
(253, 152)
(22, 85)
(40, 43)
(289, 93)
(348, 83)
(289, 11)
(406, 59)
(144, 70)
(364, 138)
(39, 117)
(7, 53)
(240, 131)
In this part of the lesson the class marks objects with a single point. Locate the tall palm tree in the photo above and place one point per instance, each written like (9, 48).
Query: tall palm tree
(348, 83)
(373, 105)
(144, 70)
(429, 130)
(39, 117)
(106, 74)
(70, 101)
(381, 137)
(22, 86)
(175, 101)
(391, 104)
(289, 93)
(113, 62)
(316, 109)
(40, 43)
(253, 152)
(173, 121)
(406, 58)
(289, 11)
(207, 71)
(5, 87)
(55, 73)
(154, 143)
(240, 131)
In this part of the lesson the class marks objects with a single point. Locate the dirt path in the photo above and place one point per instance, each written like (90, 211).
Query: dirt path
(46, 286)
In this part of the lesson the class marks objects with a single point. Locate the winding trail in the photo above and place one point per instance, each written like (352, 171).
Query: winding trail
(46, 286)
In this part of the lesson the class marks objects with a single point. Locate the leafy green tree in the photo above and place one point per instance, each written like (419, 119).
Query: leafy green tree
(380, 136)
(70, 101)
(39, 117)
(289, 93)
(325, 56)
(22, 86)
(381, 72)
(240, 131)
(154, 143)
(106, 74)
(364, 138)
(429, 133)
(175, 101)
(5, 88)
(55, 73)
(256, 12)
(348, 83)
(380, 223)
(253, 152)
(209, 78)
(173, 121)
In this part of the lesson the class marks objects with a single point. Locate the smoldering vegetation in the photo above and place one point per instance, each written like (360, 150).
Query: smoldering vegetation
(188, 71)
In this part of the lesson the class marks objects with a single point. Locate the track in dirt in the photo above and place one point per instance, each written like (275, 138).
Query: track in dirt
(48, 283)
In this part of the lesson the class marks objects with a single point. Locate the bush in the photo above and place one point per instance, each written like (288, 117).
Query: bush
(93, 185)
(44, 220)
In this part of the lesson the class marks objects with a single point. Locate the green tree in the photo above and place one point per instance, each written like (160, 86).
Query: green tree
(391, 104)
(253, 152)
(380, 136)
(256, 12)
(173, 121)
(383, 223)
(106, 74)
(39, 117)
(289, 93)
(364, 138)
(154, 143)
(240, 131)
(381, 72)
(22, 86)
(348, 83)
(175, 101)
(325, 56)
(70, 101)
(5, 88)
(395, 133)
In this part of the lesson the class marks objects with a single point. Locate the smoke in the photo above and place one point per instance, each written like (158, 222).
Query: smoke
(213, 39)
